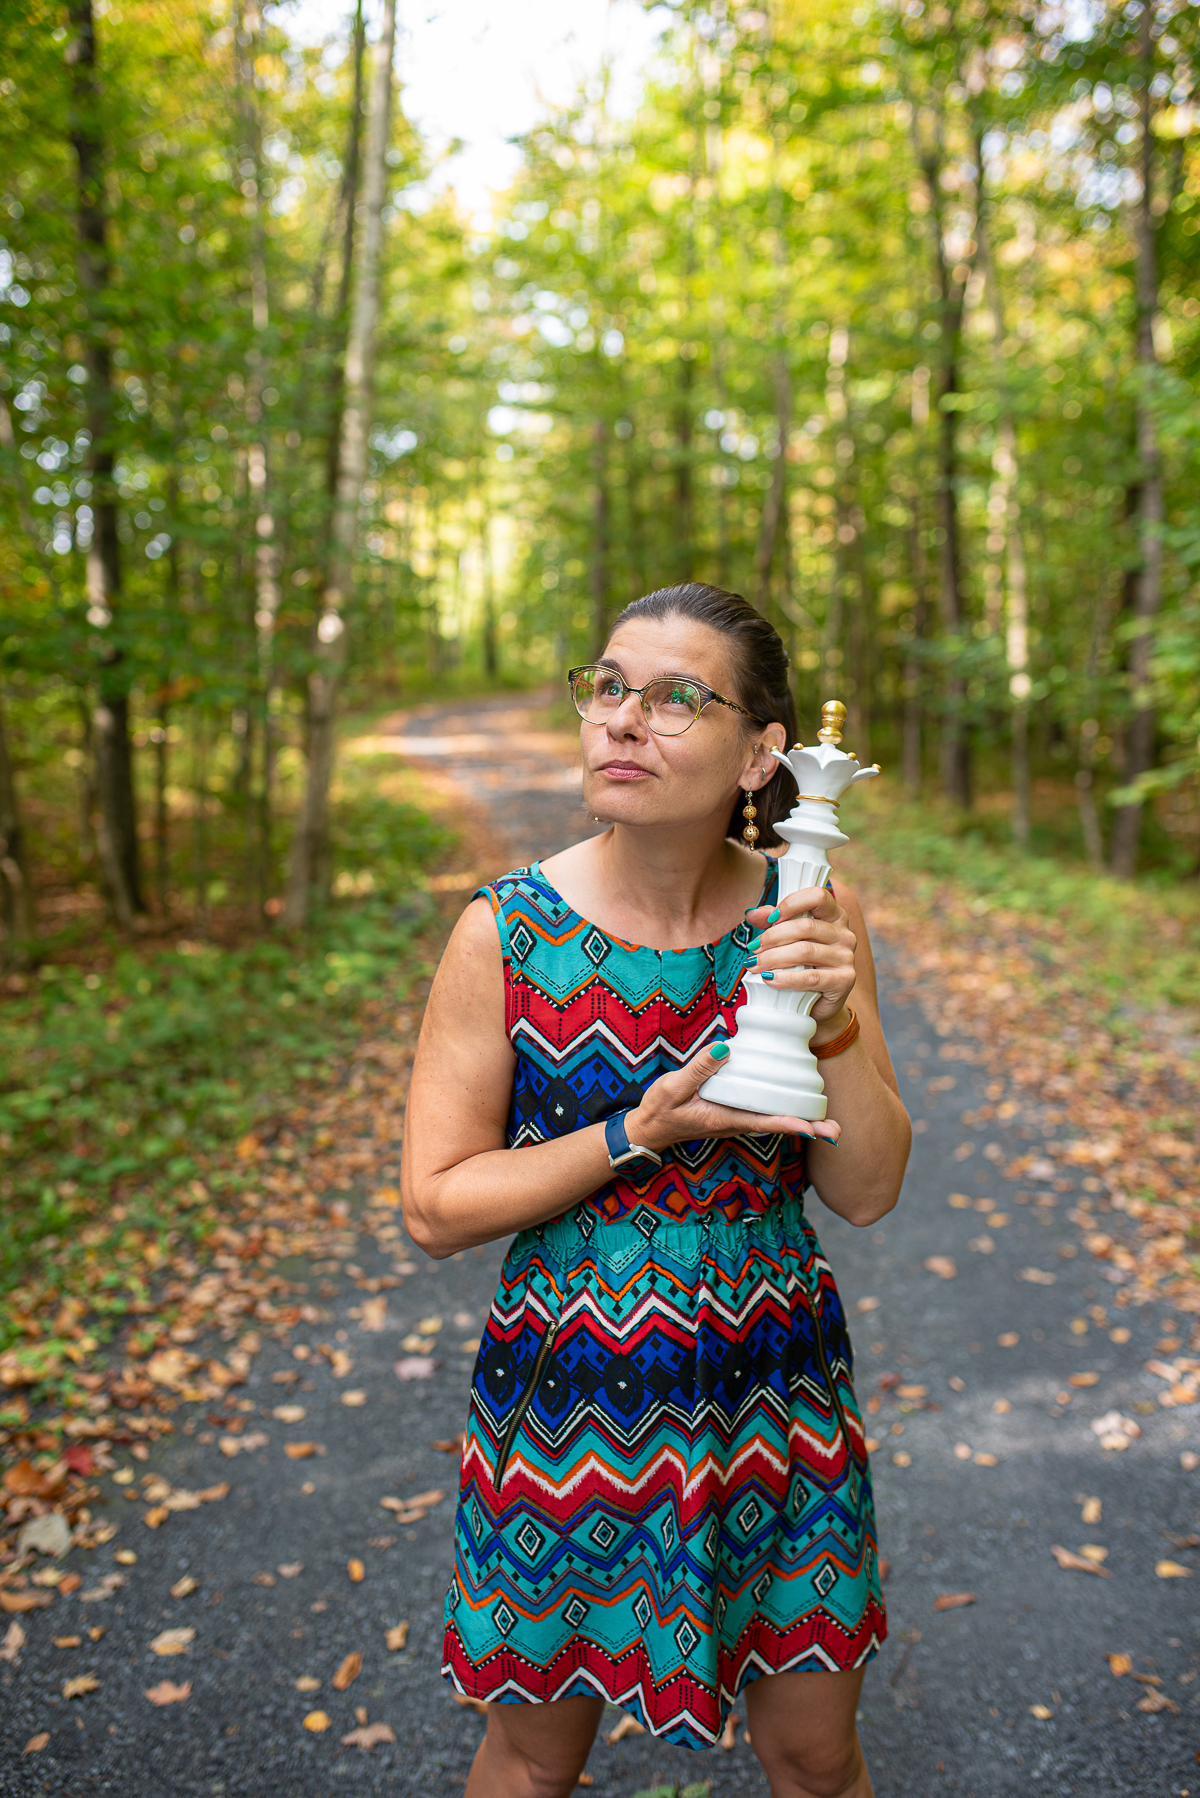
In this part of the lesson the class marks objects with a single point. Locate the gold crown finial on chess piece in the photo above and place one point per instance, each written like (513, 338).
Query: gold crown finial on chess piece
(833, 716)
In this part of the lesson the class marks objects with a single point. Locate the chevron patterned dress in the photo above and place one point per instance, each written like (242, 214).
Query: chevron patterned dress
(664, 1490)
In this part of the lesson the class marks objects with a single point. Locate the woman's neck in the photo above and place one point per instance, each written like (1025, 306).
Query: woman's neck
(661, 888)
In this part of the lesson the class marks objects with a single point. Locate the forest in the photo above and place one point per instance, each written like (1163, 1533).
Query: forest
(883, 315)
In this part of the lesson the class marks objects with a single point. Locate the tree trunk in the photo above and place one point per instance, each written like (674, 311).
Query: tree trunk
(491, 652)
(16, 889)
(912, 661)
(309, 870)
(1140, 736)
(776, 498)
(598, 577)
(1008, 585)
(348, 202)
(955, 745)
(114, 752)
(684, 547)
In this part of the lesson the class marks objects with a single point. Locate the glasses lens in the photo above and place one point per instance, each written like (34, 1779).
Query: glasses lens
(670, 706)
(597, 693)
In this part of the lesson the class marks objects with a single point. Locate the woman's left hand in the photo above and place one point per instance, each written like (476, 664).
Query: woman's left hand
(806, 943)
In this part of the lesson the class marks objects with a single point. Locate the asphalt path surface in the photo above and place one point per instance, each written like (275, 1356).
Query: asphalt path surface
(950, 1369)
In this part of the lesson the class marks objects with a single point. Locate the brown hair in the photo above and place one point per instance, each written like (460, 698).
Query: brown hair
(760, 664)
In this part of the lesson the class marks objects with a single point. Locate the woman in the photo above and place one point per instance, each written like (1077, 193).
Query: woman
(665, 1497)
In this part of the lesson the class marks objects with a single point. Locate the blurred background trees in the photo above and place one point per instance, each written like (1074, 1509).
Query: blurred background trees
(885, 315)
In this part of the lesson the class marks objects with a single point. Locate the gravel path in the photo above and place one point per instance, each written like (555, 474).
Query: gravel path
(981, 1390)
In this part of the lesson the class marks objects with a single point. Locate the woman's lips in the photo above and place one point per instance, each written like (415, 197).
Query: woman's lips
(624, 771)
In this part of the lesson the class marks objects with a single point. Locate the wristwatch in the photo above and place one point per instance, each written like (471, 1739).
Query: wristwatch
(623, 1154)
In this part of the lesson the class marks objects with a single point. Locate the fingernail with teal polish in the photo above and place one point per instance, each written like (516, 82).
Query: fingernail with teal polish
(753, 962)
(773, 917)
(756, 944)
(768, 976)
(718, 1051)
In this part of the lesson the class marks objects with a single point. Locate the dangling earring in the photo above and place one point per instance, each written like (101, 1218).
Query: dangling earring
(749, 813)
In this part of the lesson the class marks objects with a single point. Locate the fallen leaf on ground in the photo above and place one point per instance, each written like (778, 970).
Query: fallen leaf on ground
(415, 1367)
(397, 1637)
(449, 1445)
(289, 1413)
(1120, 1664)
(348, 1672)
(942, 1266)
(1036, 1276)
(306, 1683)
(173, 1641)
(17, 1603)
(290, 1569)
(156, 1517)
(1172, 1570)
(24, 1481)
(183, 1588)
(126, 1557)
(369, 1735)
(35, 1744)
(1093, 1510)
(1115, 1431)
(1083, 1379)
(1041, 1711)
(865, 1305)
(165, 1692)
(952, 1601)
(470, 1704)
(299, 1451)
(585, 1779)
(1009, 1339)
(962, 1451)
(48, 1535)
(317, 1721)
(59, 1642)
(985, 1460)
(1092, 1551)
(340, 1364)
(14, 1641)
(95, 1633)
(1157, 1701)
(209, 1495)
(83, 1682)
(262, 1579)
(356, 1570)
(354, 1399)
(374, 1317)
(1077, 1563)
(628, 1726)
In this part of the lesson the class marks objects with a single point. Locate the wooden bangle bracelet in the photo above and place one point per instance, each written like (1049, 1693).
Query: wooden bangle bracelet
(836, 1044)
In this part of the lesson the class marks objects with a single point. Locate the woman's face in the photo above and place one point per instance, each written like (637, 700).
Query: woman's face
(631, 776)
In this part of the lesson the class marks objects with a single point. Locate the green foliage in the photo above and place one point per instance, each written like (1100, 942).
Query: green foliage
(122, 1083)
(1132, 952)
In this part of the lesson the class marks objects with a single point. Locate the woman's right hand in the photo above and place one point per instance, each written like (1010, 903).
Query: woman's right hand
(672, 1111)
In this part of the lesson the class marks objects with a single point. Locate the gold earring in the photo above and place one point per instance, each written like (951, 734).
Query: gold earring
(749, 813)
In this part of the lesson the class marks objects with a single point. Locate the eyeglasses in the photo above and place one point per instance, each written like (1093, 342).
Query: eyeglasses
(670, 705)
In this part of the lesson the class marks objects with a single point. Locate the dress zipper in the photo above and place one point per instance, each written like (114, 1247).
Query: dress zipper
(523, 1403)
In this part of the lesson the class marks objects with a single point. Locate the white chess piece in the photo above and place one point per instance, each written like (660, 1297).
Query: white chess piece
(771, 1068)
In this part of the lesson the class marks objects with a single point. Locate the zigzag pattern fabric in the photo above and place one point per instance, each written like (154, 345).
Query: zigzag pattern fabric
(665, 1491)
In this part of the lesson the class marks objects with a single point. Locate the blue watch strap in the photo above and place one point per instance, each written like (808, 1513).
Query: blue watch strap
(623, 1153)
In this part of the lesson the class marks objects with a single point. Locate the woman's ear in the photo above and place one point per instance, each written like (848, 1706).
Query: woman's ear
(761, 766)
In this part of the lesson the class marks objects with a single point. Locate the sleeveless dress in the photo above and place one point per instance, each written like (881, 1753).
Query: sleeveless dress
(664, 1491)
